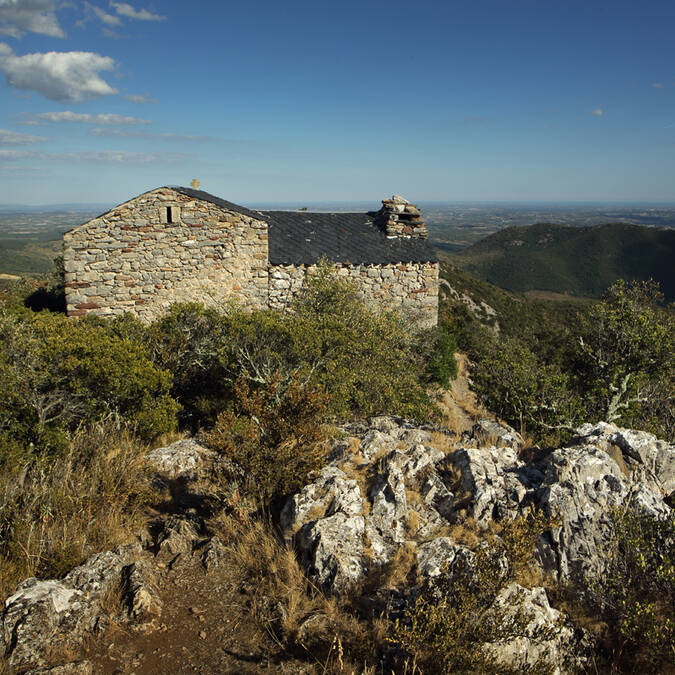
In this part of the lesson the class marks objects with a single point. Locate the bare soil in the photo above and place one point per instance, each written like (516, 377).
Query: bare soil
(206, 627)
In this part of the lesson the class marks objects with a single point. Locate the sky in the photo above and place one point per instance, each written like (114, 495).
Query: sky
(503, 100)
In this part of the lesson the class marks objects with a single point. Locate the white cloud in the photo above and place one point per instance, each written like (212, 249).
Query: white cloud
(140, 98)
(102, 15)
(125, 9)
(110, 119)
(104, 156)
(598, 112)
(185, 137)
(32, 123)
(137, 133)
(117, 133)
(33, 16)
(68, 77)
(123, 157)
(10, 155)
(13, 138)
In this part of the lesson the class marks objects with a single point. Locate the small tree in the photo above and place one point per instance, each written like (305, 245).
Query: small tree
(527, 393)
(272, 435)
(628, 350)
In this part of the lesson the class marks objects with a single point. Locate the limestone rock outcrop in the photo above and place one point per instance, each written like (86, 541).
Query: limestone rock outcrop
(391, 488)
(356, 513)
(42, 617)
(390, 484)
(184, 459)
(581, 486)
(546, 637)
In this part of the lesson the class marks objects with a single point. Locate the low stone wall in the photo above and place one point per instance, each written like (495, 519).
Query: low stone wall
(164, 247)
(411, 288)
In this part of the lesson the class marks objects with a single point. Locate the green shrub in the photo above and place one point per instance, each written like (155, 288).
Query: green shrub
(370, 363)
(529, 394)
(442, 364)
(451, 621)
(626, 357)
(58, 373)
(272, 435)
(191, 342)
(635, 595)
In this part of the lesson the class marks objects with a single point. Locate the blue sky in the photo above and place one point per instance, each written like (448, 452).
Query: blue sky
(272, 101)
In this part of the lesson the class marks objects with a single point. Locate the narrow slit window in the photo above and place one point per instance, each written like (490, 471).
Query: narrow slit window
(168, 215)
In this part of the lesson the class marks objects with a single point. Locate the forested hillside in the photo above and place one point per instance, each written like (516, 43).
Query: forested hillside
(579, 261)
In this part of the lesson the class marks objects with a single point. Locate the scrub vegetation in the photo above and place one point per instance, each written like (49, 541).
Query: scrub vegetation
(85, 399)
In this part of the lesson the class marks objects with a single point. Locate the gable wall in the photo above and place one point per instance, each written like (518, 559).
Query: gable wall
(411, 288)
(131, 259)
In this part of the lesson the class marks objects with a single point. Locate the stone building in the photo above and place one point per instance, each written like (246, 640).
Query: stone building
(177, 244)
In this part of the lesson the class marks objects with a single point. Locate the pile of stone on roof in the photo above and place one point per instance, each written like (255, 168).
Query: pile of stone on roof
(399, 218)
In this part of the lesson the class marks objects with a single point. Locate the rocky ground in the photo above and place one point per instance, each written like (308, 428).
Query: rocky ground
(174, 600)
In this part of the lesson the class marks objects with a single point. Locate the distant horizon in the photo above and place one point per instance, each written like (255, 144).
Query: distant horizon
(299, 203)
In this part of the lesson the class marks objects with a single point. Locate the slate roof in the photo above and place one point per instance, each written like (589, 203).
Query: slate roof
(303, 237)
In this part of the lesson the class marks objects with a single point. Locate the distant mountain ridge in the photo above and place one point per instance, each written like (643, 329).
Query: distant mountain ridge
(581, 261)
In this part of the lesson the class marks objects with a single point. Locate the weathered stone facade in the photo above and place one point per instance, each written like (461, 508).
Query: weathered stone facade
(411, 288)
(160, 248)
(168, 245)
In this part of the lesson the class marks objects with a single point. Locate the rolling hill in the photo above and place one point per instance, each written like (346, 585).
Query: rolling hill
(578, 261)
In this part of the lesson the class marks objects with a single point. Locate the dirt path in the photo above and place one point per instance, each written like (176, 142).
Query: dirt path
(206, 626)
(459, 405)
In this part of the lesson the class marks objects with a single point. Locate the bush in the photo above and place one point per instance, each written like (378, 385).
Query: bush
(525, 392)
(627, 356)
(191, 342)
(449, 624)
(58, 373)
(636, 593)
(272, 435)
(370, 363)
(442, 364)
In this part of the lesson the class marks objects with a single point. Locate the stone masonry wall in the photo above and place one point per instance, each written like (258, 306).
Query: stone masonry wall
(409, 287)
(133, 259)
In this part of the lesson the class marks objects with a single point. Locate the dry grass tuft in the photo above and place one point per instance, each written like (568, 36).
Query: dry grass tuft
(56, 512)
(299, 617)
(443, 442)
(399, 571)
(467, 534)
